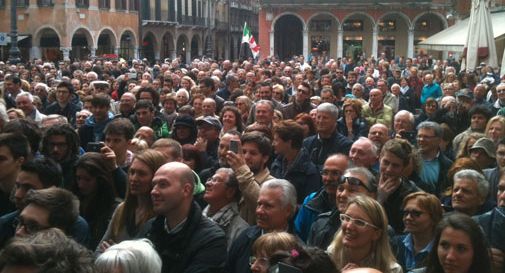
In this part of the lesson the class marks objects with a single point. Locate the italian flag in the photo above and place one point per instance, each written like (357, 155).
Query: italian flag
(249, 39)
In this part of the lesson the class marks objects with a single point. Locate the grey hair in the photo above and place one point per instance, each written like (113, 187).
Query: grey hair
(411, 116)
(372, 181)
(288, 191)
(43, 85)
(3, 113)
(266, 102)
(131, 256)
(25, 94)
(374, 149)
(473, 175)
(328, 108)
(431, 125)
(359, 85)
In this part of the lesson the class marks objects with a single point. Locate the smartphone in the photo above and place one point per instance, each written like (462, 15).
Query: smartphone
(234, 146)
(408, 134)
(95, 146)
(284, 268)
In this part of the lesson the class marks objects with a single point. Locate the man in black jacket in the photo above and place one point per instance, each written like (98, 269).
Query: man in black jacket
(186, 240)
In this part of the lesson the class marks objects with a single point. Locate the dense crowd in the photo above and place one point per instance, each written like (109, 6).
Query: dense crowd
(373, 165)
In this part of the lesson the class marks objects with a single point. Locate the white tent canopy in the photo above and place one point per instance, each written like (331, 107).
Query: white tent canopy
(454, 37)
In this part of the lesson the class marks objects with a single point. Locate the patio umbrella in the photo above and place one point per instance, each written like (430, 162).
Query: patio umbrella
(480, 45)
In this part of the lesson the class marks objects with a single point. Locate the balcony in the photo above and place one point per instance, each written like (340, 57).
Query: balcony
(221, 25)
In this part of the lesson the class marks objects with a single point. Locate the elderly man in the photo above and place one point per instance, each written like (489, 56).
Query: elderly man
(469, 193)
(375, 111)
(24, 101)
(404, 126)
(389, 98)
(364, 153)
(222, 195)
(276, 206)
(185, 239)
(355, 181)
(483, 152)
(328, 140)
(433, 175)
(322, 200)
(430, 89)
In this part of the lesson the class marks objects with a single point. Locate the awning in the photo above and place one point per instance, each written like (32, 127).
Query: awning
(454, 37)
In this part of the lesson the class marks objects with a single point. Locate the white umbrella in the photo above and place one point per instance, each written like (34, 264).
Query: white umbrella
(480, 45)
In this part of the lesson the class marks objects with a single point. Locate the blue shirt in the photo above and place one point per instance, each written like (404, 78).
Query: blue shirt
(430, 91)
(430, 172)
(414, 261)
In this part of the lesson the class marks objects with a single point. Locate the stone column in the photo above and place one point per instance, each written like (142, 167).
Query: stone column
(305, 43)
(375, 41)
(340, 42)
(35, 53)
(66, 53)
(93, 52)
(410, 43)
(272, 43)
(116, 51)
(136, 53)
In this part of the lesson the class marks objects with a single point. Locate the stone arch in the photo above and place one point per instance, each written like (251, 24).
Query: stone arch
(439, 15)
(274, 21)
(82, 43)
(132, 33)
(323, 13)
(182, 47)
(46, 44)
(167, 45)
(393, 35)
(195, 46)
(288, 35)
(149, 46)
(127, 44)
(106, 42)
(372, 20)
(402, 15)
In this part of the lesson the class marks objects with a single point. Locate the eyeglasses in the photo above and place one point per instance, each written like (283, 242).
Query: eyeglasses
(214, 180)
(263, 261)
(333, 173)
(357, 222)
(30, 227)
(353, 181)
(413, 213)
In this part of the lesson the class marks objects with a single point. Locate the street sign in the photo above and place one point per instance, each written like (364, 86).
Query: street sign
(3, 38)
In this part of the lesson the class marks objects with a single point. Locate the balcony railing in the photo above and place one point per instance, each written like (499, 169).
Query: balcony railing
(345, 2)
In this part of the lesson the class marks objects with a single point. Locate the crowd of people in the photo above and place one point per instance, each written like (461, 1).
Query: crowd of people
(219, 166)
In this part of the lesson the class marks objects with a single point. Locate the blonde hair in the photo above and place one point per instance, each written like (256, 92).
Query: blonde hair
(500, 119)
(381, 257)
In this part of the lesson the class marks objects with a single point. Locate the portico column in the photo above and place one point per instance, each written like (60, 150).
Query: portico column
(272, 43)
(340, 42)
(305, 43)
(410, 43)
(66, 53)
(136, 53)
(93, 52)
(375, 41)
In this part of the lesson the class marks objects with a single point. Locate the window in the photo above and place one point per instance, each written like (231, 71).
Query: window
(44, 3)
(320, 25)
(104, 4)
(121, 4)
(387, 25)
(134, 5)
(353, 25)
(82, 3)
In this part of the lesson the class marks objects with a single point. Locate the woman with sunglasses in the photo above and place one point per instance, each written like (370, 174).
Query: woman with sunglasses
(421, 213)
(362, 240)
(355, 181)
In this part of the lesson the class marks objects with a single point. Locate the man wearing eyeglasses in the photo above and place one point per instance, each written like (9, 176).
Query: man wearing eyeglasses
(63, 106)
(322, 200)
(355, 181)
(301, 102)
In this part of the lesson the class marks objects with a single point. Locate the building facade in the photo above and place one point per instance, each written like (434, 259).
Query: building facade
(341, 28)
(195, 28)
(73, 29)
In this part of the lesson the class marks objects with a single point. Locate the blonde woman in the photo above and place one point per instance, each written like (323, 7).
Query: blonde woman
(362, 240)
(495, 128)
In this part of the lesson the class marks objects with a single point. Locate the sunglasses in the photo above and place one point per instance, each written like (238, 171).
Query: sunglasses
(353, 181)
(413, 213)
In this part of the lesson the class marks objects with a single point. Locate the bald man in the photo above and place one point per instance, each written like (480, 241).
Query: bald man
(185, 240)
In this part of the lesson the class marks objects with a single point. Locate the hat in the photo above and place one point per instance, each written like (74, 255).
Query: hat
(100, 83)
(210, 121)
(486, 144)
(464, 93)
(184, 120)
